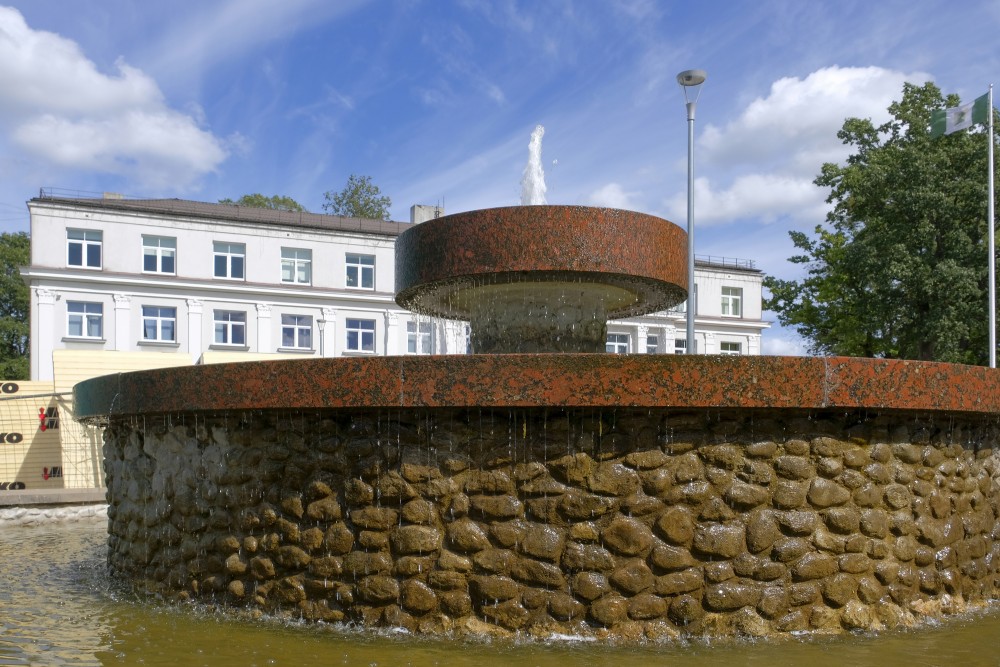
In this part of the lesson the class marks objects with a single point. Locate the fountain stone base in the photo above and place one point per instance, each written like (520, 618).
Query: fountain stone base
(636, 497)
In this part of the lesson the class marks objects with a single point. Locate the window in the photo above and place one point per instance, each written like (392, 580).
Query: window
(418, 337)
(361, 335)
(230, 327)
(296, 266)
(158, 254)
(652, 344)
(361, 271)
(731, 348)
(296, 331)
(732, 301)
(85, 320)
(680, 346)
(83, 248)
(682, 307)
(617, 343)
(159, 324)
(230, 259)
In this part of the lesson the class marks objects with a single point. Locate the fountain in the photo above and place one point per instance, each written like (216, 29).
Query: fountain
(524, 489)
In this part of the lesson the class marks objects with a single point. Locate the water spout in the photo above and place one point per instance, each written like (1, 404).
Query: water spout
(533, 179)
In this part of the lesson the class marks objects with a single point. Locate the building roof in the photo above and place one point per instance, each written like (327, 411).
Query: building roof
(230, 213)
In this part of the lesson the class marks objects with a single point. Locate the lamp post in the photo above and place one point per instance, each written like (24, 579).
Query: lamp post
(691, 81)
(322, 328)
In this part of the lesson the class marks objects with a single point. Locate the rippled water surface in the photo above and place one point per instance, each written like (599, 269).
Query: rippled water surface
(58, 608)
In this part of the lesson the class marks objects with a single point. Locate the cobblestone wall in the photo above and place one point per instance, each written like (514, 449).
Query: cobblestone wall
(629, 523)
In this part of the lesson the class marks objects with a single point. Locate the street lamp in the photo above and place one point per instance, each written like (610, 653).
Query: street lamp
(691, 80)
(322, 327)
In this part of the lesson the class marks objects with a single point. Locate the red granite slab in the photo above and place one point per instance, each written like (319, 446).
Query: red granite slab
(573, 244)
(546, 380)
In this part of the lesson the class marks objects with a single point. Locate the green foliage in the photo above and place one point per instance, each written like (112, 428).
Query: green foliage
(275, 203)
(899, 270)
(360, 198)
(15, 252)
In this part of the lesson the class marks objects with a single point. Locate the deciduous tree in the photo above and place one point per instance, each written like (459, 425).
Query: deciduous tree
(899, 270)
(275, 203)
(15, 252)
(360, 198)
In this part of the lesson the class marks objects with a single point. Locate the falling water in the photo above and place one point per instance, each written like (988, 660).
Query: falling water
(533, 179)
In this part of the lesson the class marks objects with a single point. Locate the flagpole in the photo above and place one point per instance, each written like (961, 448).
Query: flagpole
(990, 224)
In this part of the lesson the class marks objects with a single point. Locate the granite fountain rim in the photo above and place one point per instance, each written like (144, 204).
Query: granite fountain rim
(552, 381)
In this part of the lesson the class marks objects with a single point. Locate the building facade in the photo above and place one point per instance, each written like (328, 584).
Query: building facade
(217, 282)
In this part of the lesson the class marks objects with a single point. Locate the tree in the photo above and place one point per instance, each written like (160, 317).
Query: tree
(900, 268)
(15, 252)
(275, 203)
(360, 198)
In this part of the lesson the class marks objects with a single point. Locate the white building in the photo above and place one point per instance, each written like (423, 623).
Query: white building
(218, 282)
(727, 315)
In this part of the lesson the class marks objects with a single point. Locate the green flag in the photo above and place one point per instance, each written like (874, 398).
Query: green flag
(953, 119)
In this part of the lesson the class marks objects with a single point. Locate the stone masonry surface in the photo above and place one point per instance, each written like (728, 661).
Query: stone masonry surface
(629, 522)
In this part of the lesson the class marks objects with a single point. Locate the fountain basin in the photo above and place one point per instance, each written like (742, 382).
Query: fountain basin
(626, 496)
(541, 278)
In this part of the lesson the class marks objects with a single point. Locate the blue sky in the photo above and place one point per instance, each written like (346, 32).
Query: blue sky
(436, 101)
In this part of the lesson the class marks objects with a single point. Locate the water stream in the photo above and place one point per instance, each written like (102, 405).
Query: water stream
(57, 607)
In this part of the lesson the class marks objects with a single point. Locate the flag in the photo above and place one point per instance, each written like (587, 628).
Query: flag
(953, 119)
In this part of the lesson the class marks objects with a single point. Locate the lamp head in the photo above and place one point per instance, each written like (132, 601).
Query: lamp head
(692, 77)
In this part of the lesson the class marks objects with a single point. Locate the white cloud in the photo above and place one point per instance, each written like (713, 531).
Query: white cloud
(782, 347)
(764, 197)
(612, 195)
(59, 109)
(800, 117)
(763, 162)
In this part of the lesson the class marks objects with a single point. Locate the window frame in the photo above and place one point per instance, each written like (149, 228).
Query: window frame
(620, 345)
(680, 346)
(357, 331)
(86, 245)
(419, 337)
(159, 253)
(231, 321)
(737, 352)
(295, 263)
(732, 300)
(85, 317)
(356, 263)
(229, 256)
(655, 347)
(160, 319)
(297, 328)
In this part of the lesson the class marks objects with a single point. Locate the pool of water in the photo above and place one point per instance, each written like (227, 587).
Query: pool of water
(57, 607)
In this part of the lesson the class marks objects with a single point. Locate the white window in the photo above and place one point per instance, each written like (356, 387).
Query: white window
(158, 254)
(361, 271)
(296, 331)
(83, 248)
(731, 348)
(361, 335)
(652, 344)
(680, 346)
(418, 337)
(617, 343)
(85, 320)
(159, 324)
(682, 307)
(296, 266)
(230, 327)
(230, 260)
(732, 301)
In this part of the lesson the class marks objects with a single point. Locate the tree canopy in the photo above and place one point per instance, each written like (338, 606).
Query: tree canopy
(15, 252)
(360, 198)
(899, 270)
(275, 203)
